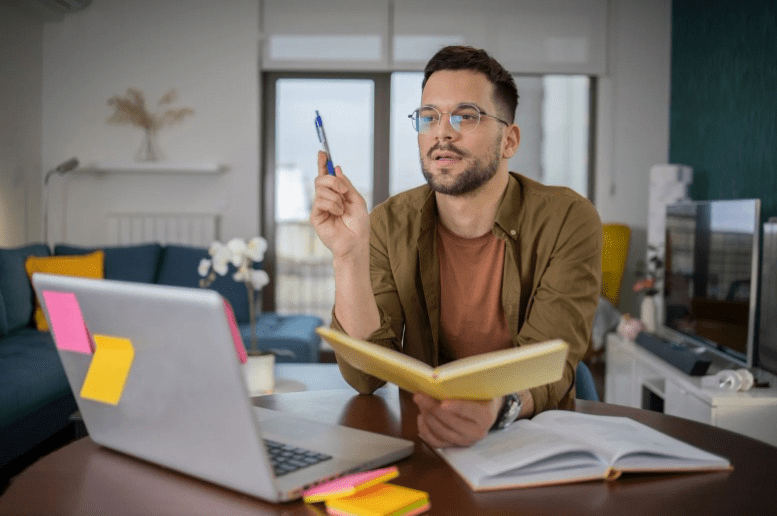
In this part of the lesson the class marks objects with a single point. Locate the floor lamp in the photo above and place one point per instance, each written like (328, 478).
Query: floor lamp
(62, 168)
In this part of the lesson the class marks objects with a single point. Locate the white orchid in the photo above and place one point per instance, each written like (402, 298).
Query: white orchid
(256, 248)
(221, 260)
(242, 256)
(204, 267)
(259, 278)
(214, 248)
(237, 248)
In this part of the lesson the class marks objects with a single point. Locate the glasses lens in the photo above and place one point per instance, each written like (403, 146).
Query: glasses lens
(465, 118)
(428, 117)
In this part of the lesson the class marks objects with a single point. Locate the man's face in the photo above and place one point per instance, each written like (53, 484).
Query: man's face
(455, 163)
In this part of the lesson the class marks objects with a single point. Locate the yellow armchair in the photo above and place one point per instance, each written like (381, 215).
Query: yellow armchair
(615, 251)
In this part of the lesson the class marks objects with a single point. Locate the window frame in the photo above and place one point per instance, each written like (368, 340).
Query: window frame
(381, 133)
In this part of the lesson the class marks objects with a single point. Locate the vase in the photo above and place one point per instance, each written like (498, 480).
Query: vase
(647, 313)
(259, 373)
(149, 149)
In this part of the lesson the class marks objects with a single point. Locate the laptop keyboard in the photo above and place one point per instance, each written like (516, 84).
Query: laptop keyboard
(285, 458)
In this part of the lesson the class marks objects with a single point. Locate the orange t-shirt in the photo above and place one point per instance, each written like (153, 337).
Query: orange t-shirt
(472, 320)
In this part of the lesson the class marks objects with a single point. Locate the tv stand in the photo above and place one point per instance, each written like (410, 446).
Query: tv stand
(635, 377)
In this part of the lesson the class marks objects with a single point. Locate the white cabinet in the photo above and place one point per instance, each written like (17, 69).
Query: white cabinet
(637, 378)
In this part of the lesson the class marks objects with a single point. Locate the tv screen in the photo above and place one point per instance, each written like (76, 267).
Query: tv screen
(711, 274)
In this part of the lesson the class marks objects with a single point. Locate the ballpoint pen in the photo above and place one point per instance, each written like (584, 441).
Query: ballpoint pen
(322, 138)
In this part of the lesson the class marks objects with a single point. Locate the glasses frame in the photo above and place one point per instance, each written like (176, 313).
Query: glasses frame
(416, 126)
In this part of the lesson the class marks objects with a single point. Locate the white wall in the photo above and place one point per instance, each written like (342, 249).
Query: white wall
(633, 120)
(208, 51)
(21, 57)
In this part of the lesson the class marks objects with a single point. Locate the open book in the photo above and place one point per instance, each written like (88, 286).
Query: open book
(560, 446)
(481, 377)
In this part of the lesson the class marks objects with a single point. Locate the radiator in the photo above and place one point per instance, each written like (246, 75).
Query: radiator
(196, 229)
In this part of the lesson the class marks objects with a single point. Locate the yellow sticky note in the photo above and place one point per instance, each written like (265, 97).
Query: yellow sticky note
(381, 500)
(109, 369)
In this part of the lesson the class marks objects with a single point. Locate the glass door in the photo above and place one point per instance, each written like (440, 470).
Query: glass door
(302, 276)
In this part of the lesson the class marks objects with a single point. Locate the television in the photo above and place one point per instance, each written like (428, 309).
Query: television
(711, 276)
(766, 350)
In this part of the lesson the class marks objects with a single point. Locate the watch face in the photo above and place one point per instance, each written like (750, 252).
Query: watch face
(510, 411)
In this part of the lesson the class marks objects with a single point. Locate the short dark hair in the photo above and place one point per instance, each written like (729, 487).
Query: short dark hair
(478, 60)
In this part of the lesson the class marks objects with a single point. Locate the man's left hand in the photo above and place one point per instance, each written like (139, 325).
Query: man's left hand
(454, 422)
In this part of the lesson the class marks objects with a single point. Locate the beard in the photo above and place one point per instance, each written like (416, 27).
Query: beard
(478, 174)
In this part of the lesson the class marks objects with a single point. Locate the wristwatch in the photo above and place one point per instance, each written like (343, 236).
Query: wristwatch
(511, 407)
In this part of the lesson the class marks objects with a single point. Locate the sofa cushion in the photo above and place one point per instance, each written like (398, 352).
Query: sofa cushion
(15, 288)
(3, 320)
(32, 374)
(292, 338)
(179, 268)
(127, 263)
(86, 266)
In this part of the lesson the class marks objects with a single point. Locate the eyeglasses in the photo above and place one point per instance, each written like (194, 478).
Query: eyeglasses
(464, 118)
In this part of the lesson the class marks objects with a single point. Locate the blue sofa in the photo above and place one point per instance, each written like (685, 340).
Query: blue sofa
(35, 398)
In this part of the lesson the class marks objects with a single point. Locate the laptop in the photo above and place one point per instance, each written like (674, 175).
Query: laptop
(167, 387)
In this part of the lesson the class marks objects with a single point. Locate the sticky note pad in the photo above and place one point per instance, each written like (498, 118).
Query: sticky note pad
(349, 484)
(381, 500)
(237, 340)
(109, 369)
(67, 322)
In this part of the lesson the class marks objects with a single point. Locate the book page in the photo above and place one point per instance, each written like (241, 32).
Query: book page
(524, 444)
(626, 443)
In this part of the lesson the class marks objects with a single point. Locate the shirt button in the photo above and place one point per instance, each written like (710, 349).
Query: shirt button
(512, 232)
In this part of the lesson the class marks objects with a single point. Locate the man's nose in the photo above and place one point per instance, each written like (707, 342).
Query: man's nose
(444, 129)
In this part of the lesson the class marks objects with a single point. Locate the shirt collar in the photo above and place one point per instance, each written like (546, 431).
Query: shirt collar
(506, 215)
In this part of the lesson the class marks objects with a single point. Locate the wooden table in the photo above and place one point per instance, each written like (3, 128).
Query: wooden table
(84, 478)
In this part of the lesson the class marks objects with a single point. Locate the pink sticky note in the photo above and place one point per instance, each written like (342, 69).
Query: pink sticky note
(67, 322)
(236, 338)
(349, 484)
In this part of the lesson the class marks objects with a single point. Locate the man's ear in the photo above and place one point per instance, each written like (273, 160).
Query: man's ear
(512, 141)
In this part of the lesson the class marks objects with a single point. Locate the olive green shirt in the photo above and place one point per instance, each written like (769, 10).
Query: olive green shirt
(550, 282)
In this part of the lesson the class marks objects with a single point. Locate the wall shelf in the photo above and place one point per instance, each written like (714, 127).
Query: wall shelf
(159, 167)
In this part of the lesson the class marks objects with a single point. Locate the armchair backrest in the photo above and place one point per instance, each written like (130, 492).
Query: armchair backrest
(615, 252)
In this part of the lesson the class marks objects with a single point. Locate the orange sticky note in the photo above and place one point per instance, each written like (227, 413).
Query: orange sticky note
(237, 340)
(349, 484)
(109, 369)
(67, 322)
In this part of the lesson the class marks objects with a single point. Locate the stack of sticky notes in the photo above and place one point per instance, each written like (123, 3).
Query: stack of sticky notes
(368, 494)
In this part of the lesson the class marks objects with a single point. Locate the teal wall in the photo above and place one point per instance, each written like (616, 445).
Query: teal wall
(723, 115)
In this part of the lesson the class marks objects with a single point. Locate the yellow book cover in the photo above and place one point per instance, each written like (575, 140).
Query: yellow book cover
(381, 500)
(479, 377)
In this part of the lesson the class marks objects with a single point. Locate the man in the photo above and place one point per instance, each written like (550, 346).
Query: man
(476, 260)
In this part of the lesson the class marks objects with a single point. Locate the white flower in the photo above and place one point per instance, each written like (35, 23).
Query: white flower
(242, 273)
(256, 248)
(259, 278)
(204, 267)
(237, 246)
(221, 260)
(214, 248)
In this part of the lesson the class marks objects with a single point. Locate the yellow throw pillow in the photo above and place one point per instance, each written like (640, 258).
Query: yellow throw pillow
(86, 265)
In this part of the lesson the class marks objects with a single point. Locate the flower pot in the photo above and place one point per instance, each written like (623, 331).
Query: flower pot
(259, 373)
